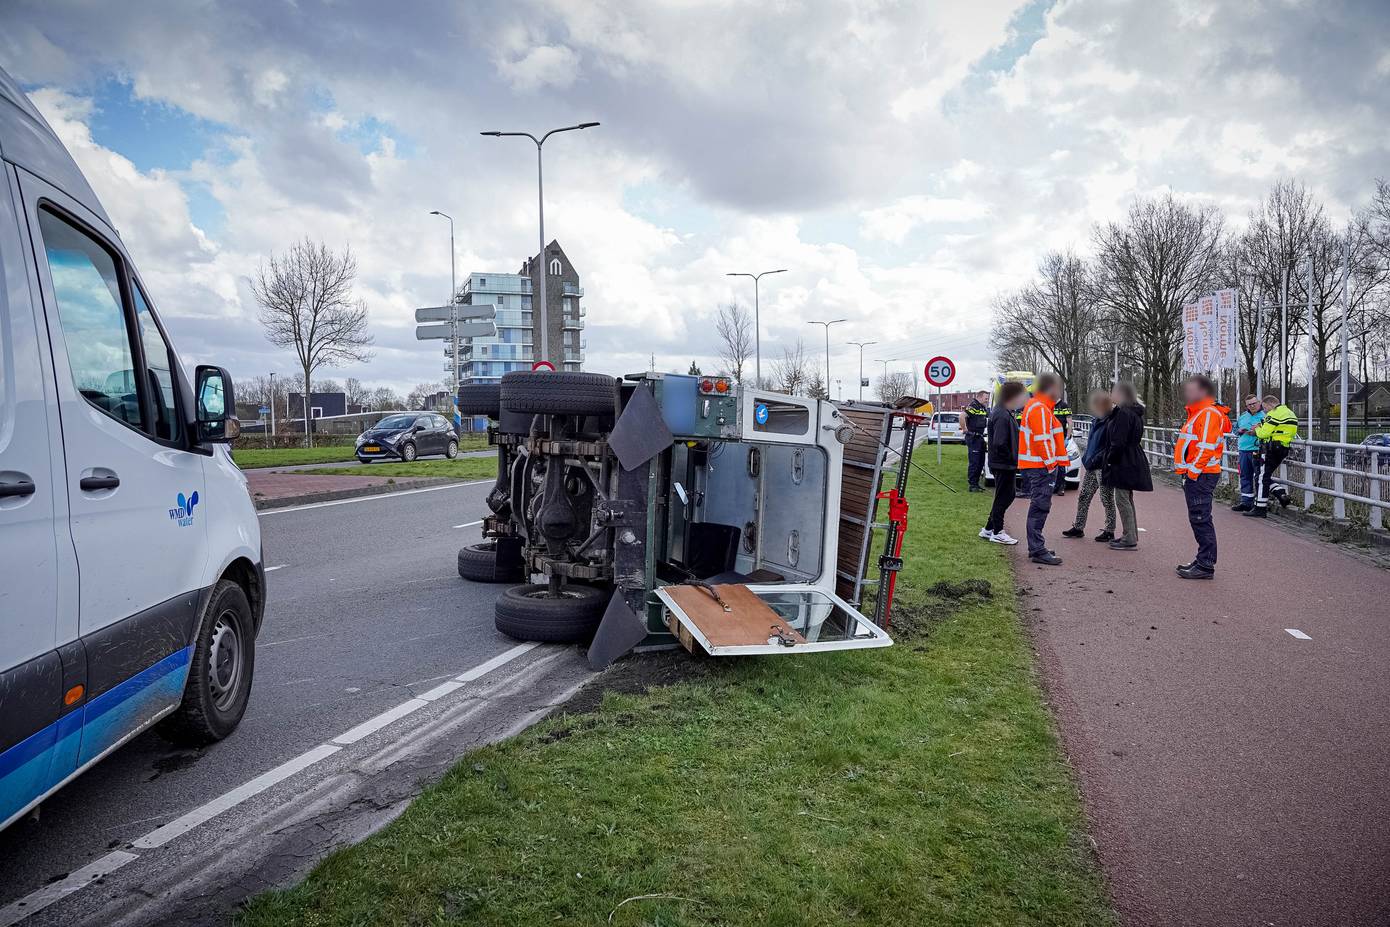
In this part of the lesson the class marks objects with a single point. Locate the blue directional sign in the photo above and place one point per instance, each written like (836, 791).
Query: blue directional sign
(760, 413)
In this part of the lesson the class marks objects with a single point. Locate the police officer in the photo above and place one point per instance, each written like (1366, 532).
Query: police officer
(1275, 434)
(1062, 413)
(973, 421)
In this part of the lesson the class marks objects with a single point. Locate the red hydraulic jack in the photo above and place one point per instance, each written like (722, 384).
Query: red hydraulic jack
(892, 560)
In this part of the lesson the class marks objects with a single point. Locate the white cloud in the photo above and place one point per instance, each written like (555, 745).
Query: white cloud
(542, 66)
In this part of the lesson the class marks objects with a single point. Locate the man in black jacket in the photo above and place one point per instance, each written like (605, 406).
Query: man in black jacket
(973, 424)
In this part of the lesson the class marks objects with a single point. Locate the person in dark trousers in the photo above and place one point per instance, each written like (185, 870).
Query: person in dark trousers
(1003, 457)
(1197, 459)
(1062, 412)
(1248, 447)
(973, 424)
(1276, 434)
(1041, 451)
(1126, 468)
(1093, 459)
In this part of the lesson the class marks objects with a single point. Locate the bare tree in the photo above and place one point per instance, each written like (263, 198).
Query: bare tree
(307, 303)
(816, 387)
(1161, 256)
(735, 327)
(419, 396)
(1055, 320)
(384, 399)
(357, 393)
(893, 385)
(792, 373)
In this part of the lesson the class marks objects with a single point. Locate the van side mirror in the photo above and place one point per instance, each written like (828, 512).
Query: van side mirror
(216, 421)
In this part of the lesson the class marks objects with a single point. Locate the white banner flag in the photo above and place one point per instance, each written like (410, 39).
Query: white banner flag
(1206, 332)
(1191, 351)
(1227, 313)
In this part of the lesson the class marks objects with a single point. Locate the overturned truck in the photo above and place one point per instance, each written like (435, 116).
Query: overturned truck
(663, 509)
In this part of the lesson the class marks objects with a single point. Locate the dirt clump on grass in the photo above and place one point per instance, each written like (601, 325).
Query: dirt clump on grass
(915, 614)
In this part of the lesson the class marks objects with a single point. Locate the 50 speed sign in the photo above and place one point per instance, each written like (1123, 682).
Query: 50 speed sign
(940, 371)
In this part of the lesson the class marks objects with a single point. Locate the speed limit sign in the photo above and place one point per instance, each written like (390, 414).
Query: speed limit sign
(940, 371)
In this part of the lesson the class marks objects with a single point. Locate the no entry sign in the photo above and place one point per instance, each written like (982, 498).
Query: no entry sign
(940, 371)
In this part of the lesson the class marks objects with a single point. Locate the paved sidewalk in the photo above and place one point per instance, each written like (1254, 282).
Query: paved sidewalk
(1232, 772)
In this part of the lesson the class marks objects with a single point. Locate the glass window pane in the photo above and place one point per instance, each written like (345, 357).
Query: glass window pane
(159, 364)
(87, 288)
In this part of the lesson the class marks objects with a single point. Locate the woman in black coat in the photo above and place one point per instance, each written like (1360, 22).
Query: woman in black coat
(1126, 469)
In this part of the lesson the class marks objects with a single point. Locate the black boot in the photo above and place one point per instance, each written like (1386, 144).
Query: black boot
(1258, 511)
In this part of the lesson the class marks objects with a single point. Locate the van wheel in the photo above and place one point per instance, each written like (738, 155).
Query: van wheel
(408, 451)
(452, 450)
(530, 613)
(219, 672)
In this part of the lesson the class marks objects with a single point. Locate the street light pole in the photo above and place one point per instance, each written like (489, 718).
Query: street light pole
(757, 325)
(453, 321)
(862, 345)
(827, 349)
(540, 210)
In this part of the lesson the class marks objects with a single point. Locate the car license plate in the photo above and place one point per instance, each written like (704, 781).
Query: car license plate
(371, 448)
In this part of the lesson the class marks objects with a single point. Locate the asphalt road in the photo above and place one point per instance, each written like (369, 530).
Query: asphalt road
(365, 610)
(354, 462)
(1231, 737)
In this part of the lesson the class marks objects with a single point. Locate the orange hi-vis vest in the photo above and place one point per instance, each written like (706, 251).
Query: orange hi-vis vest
(1199, 443)
(1040, 442)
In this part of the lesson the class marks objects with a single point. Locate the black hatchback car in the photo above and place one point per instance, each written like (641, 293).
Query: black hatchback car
(406, 436)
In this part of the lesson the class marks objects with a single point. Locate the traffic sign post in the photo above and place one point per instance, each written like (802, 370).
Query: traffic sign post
(450, 323)
(940, 371)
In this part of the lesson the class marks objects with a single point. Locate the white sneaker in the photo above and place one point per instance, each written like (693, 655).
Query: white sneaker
(987, 534)
(1003, 538)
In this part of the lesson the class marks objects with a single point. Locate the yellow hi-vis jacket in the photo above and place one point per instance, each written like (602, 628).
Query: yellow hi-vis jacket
(1280, 426)
(1040, 441)
(1199, 443)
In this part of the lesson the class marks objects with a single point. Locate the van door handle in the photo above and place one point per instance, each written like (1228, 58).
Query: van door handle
(17, 488)
(93, 483)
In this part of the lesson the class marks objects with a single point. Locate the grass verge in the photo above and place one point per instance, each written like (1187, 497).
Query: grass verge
(921, 784)
(460, 468)
(249, 457)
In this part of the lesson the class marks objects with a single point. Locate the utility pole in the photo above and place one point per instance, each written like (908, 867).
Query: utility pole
(757, 323)
(453, 321)
(1284, 339)
(1312, 361)
(540, 254)
(827, 349)
(862, 345)
(1260, 347)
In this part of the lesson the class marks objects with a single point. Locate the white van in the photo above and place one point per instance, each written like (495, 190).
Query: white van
(131, 581)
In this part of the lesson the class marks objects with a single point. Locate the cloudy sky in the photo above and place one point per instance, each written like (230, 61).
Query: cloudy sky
(905, 160)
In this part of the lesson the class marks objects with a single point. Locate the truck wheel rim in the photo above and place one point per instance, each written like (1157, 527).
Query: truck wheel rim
(225, 661)
(545, 594)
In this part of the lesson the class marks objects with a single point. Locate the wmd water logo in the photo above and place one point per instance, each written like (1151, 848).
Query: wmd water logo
(183, 511)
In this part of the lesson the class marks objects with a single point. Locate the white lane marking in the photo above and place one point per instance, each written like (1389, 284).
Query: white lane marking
(502, 659)
(274, 568)
(469, 524)
(184, 823)
(1298, 634)
(381, 495)
(36, 901)
(441, 690)
(372, 725)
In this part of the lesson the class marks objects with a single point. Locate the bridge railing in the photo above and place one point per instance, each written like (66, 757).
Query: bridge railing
(1346, 481)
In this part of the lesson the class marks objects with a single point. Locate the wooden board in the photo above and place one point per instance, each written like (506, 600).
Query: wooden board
(750, 622)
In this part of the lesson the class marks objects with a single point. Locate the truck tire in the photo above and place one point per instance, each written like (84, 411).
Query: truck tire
(485, 563)
(527, 613)
(559, 393)
(480, 399)
(219, 671)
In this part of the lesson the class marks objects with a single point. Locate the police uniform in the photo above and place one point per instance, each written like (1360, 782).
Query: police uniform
(1275, 434)
(976, 415)
(1062, 412)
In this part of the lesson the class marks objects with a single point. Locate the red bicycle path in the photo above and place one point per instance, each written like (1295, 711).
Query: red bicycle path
(1232, 773)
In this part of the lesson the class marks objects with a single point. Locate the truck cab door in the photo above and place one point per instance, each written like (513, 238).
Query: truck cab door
(133, 482)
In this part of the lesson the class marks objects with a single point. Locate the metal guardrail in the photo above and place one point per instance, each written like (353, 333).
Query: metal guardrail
(1346, 480)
